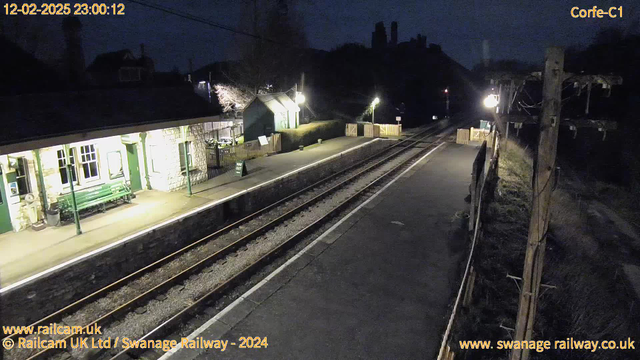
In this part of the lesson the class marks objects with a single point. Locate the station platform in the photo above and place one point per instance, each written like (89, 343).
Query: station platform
(376, 285)
(27, 253)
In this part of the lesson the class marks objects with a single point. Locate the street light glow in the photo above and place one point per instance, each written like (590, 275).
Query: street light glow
(375, 102)
(491, 101)
(300, 99)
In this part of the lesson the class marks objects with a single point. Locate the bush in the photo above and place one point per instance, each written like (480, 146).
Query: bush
(591, 301)
(310, 133)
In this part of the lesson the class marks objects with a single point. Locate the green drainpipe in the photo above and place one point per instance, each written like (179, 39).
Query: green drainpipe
(186, 162)
(43, 191)
(143, 139)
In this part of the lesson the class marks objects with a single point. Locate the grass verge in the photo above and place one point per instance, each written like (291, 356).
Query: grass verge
(592, 300)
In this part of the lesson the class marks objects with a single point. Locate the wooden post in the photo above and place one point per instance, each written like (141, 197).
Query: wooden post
(468, 292)
(472, 190)
(586, 109)
(217, 149)
(544, 170)
(506, 138)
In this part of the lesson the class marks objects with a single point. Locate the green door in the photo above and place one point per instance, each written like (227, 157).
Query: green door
(5, 218)
(134, 167)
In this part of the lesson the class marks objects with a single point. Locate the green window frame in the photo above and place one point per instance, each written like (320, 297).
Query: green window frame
(22, 176)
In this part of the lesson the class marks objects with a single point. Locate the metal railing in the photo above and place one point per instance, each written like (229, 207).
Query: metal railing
(482, 184)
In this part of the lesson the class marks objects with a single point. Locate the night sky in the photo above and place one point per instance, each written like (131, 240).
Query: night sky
(514, 29)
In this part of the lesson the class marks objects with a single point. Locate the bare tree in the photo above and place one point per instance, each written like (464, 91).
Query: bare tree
(232, 98)
(270, 57)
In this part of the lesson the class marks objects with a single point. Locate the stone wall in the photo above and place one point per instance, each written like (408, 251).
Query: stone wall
(33, 300)
(164, 158)
(18, 207)
(168, 178)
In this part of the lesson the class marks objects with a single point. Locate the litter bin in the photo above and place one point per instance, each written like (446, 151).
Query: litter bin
(53, 217)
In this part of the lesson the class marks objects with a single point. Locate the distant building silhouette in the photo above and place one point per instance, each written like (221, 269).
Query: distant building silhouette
(379, 37)
(23, 73)
(74, 55)
(120, 67)
(419, 42)
(394, 34)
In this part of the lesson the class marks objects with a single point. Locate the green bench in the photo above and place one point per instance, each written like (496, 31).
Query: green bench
(94, 196)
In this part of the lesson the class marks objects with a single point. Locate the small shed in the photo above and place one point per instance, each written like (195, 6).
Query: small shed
(269, 113)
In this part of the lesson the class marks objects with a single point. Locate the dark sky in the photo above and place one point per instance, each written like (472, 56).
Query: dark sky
(513, 28)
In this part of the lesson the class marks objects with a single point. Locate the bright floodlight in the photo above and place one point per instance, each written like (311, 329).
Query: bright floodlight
(300, 98)
(491, 101)
(375, 102)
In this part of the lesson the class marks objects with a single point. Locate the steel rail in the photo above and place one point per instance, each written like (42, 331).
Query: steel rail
(248, 271)
(104, 319)
(158, 263)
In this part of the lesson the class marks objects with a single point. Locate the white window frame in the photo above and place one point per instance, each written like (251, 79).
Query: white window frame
(128, 71)
(63, 167)
(119, 174)
(89, 155)
(188, 149)
(155, 163)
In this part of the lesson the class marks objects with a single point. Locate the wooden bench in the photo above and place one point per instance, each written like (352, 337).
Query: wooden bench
(94, 196)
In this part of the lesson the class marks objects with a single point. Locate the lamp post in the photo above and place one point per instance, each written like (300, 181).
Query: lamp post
(300, 99)
(446, 92)
(74, 203)
(375, 102)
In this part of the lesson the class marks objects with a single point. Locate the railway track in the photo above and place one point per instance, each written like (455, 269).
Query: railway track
(263, 234)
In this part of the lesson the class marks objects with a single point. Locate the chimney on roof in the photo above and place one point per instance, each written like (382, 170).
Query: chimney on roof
(394, 34)
(379, 36)
(141, 50)
(74, 55)
(189, 76)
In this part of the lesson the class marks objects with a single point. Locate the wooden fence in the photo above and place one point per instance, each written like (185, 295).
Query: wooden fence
(371, 130)
(351, 130)
(482, 187)
(222, 159)
(377, 130)
(390, 129)
(462, 136)
(480, 135)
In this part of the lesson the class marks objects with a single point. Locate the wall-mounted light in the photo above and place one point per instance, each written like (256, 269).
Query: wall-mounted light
(491, 101)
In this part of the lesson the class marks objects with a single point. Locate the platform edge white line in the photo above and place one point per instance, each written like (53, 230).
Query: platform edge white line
(166, 222)
(240, 299)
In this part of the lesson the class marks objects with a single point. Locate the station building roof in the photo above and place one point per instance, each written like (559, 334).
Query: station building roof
(276, 102)
(33, 121)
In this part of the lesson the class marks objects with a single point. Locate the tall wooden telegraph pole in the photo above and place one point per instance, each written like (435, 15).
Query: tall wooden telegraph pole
(543, 181)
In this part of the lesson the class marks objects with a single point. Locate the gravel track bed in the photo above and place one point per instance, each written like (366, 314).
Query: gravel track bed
(186, 328)
(145, 318)
(129, 291)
